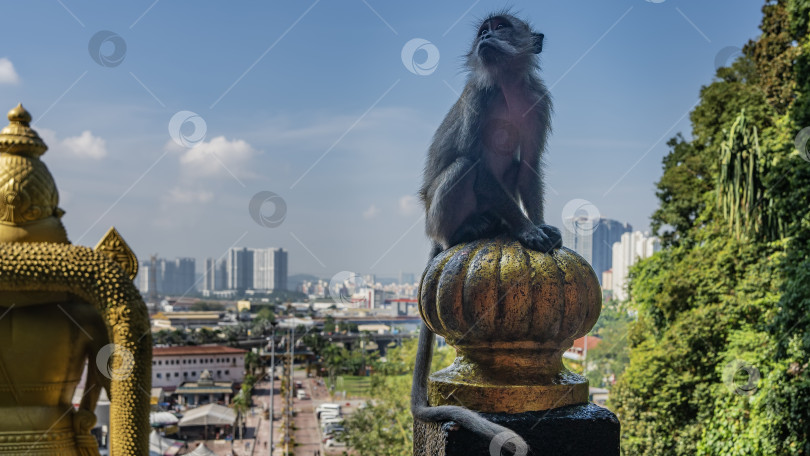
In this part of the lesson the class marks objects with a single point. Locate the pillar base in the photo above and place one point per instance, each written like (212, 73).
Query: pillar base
(573, 430)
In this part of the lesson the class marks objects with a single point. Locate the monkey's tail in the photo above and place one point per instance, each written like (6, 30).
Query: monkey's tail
(500, 437)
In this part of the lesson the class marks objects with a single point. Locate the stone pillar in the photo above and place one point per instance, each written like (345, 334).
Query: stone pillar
(511, 313)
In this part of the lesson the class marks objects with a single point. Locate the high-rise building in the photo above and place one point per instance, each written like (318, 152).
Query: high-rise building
(239, 269)
(209, 275)
(607, 233)
(578, 235)
(594, 239)
(280, 273)
(167, 277)
(263, 267)
(632, 247)
(269, 269)
(221, 275)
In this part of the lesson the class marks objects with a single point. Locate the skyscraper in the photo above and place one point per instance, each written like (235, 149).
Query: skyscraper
(239, 269)
(209, 274)
(280, 269)
(604, 236)
(593, 239)
(626, 252)
(269, 269)
(167, 277)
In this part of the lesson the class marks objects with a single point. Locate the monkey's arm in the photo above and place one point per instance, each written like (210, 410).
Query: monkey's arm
(465, 417)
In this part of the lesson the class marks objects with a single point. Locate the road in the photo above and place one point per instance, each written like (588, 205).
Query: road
(307, 434)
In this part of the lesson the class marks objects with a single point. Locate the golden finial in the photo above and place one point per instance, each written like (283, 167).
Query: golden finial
(29, 199)
(18, 137)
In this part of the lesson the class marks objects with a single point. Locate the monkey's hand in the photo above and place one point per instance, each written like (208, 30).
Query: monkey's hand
(543, 238)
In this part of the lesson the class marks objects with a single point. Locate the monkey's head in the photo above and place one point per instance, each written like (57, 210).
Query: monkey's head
(504, 45)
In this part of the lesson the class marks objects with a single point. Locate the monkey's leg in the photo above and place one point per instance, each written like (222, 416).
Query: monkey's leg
(499, 200)
(465, 417)
(479, 226)
(452, 199)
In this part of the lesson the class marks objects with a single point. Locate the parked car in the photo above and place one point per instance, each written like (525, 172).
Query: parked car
(328, 415)
(330, 420)
(301, 394)
(334, 442)
(328, 407)
(330, 429)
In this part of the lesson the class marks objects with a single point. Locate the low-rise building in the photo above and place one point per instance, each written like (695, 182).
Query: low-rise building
(173, 366)
(186, 320)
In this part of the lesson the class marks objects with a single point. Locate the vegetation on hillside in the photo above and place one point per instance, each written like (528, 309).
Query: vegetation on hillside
(718, 360)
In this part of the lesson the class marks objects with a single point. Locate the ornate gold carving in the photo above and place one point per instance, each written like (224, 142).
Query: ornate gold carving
(114, 245)
(97, 279)
(510, 312)
(28, 193)
(18, 137)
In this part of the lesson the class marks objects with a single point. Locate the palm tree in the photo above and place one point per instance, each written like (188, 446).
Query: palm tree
(252, 362)
(241, 403)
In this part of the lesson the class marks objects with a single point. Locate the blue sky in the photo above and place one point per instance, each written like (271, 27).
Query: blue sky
(313, 102)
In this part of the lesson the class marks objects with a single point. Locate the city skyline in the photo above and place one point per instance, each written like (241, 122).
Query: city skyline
(193, 128)
(593, 240)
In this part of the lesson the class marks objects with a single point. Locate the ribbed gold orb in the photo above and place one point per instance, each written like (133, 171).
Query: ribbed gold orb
(510, 312)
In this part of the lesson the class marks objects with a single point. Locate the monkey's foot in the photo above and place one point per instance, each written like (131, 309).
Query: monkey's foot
(543, 238)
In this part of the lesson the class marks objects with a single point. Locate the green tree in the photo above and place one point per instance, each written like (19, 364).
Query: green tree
(718, 357)
(608, 360)
(385, 426)
(329, 324)
(252, 362)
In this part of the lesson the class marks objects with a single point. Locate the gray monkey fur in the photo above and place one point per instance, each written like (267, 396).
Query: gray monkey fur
(483, 176)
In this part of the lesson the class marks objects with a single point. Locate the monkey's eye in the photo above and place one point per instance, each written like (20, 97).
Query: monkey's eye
(483, 32)
(500, 26)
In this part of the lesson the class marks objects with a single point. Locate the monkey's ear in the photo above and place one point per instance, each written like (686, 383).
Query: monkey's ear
(537, 42)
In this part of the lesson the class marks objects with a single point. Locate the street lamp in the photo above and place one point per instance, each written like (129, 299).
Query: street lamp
(272, 380)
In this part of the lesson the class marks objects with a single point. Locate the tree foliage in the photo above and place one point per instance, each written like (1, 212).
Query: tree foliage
(718, 360)
(385, 426)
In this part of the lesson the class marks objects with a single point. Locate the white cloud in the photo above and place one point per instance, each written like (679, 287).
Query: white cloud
(409, 205)
(219, 157)
(7, 73)
(86, 146)
(371, 212)
(185, 196)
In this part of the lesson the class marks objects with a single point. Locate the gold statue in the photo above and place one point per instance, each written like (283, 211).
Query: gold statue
(62, 306)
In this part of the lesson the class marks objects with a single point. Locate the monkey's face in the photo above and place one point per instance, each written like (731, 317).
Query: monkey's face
(502, 42)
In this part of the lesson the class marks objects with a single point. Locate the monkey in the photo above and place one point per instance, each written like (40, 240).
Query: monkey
(483, 175)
